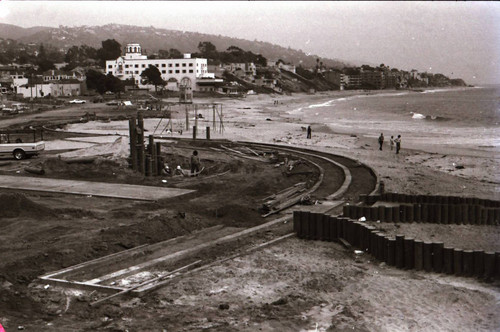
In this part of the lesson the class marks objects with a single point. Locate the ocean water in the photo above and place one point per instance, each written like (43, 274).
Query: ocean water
(463, 117)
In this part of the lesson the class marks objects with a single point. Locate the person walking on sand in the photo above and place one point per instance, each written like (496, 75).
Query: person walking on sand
(381, 141)
(392, 143)
(398, 143)
(309, 132)
(195, 163)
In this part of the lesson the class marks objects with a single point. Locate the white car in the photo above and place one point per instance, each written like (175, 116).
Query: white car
(20, 150)
(77, 101)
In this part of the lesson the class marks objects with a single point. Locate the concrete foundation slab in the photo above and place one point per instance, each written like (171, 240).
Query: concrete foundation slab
(113, 190)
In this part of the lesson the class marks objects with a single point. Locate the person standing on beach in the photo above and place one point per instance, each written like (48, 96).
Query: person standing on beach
(398, 144)
(309, 132)
(392, 143)
(381, 141)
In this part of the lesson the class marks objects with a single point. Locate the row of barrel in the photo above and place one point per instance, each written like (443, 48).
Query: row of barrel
(428, 199)
(428, 213)
(398, 251)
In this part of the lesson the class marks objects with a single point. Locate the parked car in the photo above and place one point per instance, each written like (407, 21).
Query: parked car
(113, 103)
(77, 101)
(21, 150)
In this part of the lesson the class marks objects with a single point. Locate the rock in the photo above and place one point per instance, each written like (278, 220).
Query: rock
(223, 306)
(281, 301)
(459, 167)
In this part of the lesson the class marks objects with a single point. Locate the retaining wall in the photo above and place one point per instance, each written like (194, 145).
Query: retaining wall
(431, 199)
(398, 251)
(425, 208)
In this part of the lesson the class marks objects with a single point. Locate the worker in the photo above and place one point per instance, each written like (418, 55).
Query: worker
(166, 169)
(195, 163)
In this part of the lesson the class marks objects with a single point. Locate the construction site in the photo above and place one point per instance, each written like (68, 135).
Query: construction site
(123, 236)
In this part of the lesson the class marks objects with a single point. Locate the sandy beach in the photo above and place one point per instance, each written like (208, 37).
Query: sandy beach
(427, 163)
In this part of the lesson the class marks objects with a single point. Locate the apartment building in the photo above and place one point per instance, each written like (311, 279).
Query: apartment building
(186, 71)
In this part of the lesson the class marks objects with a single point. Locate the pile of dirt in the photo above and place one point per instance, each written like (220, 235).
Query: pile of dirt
(14, 205)
(101, 169)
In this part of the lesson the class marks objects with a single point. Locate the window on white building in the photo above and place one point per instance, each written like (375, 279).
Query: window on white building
(170, 65)
(163, 71)
(191, 71)
(143, 66)
(177, 71)
(170, 72)
(163, 64)
(177, 65)
(190, 65)
(183, 65)
(136, 66)
(184, 71)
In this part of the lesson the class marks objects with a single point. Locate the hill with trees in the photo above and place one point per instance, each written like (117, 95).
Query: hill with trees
(153, 39)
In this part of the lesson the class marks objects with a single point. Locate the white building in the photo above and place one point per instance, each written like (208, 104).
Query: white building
(54, 89)
(186, 71)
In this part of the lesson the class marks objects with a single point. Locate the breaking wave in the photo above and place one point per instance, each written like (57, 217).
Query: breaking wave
(418, 116)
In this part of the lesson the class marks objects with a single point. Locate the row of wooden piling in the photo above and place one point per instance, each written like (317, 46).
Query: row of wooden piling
(427, 213)
(145, 160)
(398, 251)
(429, 199)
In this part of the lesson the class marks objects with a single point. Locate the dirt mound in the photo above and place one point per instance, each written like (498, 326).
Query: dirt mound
(101, 169)
(15, 204)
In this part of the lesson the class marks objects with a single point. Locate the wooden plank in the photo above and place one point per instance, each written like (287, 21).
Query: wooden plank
(217, 262)
(144, 284)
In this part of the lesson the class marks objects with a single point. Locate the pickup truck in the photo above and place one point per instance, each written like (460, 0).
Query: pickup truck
(21, 150)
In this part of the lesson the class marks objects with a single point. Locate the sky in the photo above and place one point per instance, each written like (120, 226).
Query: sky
(457, 39)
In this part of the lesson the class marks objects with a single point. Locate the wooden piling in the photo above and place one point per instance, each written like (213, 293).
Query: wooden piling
(133, 142)
(457, 262)
(448, 260)
(489, 264)
(468, 263)
(159, 160)
(478, 263)
(334, 228)
(437, 256)
(409, 254)
(327, 234)
(388, 214)
(399, 254)
(418, 252)
(427, 250)
(444, 214)
(417, 212)
(395, 214)
(425, 213)
(391, 251)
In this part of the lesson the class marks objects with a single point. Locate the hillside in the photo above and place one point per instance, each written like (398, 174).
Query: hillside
(153, 39)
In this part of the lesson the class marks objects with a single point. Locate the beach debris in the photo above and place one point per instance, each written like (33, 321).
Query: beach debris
(362, 219)
(358, 252)
(281, 301)
(46, 287)
(223, 306)
(35, 170)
